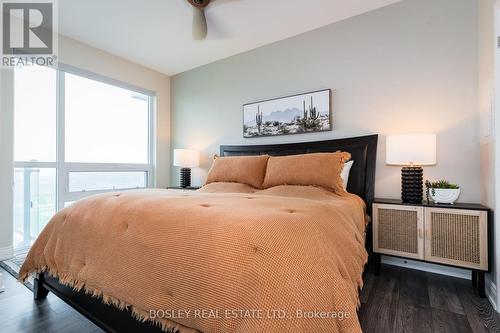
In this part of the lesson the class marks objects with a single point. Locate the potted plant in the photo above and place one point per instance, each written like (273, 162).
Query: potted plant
(442, 191)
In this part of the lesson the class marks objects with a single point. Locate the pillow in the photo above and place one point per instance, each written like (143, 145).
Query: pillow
(317, 169)
(345, 173)
(239, 169)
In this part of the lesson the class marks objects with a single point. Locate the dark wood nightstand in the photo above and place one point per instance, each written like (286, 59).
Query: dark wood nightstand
(457, 235)
(179, 188)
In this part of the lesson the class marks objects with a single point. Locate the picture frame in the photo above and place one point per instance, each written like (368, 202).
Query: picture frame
(295, 114)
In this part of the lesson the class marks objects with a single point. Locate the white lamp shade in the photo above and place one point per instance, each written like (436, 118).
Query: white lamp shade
(186, 158)
(411, 149)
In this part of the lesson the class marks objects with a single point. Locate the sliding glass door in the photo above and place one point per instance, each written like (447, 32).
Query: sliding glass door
(75, 136)
(35, 151)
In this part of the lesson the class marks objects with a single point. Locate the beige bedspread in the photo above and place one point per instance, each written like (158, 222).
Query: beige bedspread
(226, 258)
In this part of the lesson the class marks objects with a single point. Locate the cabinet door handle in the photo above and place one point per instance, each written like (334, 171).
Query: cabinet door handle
(420, 233)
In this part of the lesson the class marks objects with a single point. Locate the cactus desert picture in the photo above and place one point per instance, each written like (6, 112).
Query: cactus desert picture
(309, 112)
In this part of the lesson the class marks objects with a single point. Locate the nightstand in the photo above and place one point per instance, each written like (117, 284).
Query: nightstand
(455, 235)
(179, 188)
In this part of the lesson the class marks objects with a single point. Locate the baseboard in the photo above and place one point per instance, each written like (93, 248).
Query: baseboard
(6, 252)
(2, 287)
(428, 267)
(491, 292)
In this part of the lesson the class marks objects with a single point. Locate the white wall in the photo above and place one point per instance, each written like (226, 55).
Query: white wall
(408, 67)
(486, 91)
(85, 57)
(496, 152)
(6, 166)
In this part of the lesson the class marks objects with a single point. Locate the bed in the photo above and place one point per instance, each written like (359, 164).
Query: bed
(118, 316)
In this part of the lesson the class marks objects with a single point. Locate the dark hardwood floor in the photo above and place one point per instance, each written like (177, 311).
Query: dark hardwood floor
(405, 300)
(20, 313)
(398, 300)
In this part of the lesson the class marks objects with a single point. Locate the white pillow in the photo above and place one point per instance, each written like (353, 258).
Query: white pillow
(345, 172)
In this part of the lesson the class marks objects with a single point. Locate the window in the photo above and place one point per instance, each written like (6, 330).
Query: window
(35, 114)
(98, 181)
(75, 135)
(116, 118)
(34, 202)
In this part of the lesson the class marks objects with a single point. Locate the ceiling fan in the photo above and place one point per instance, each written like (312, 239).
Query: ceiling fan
(199, 19)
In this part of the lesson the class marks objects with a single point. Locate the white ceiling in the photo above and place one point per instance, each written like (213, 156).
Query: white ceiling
(157, 33)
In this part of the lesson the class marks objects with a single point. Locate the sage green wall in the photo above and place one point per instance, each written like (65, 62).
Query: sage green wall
(408, 67)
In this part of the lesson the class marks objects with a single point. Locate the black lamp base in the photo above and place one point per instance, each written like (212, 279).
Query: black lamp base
(412, 187)
(185, 177)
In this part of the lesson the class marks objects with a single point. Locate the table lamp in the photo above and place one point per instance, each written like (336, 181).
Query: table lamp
(186, 159)
(412, 151)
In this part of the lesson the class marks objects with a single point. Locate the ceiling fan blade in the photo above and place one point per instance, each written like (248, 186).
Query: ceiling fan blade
(199, 24)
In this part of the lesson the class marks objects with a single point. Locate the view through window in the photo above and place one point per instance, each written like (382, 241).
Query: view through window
(74, 136)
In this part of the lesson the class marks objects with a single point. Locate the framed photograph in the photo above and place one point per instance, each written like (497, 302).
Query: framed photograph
(304, 113)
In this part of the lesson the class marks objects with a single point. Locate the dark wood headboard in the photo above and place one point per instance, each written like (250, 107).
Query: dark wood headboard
(363, 150)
